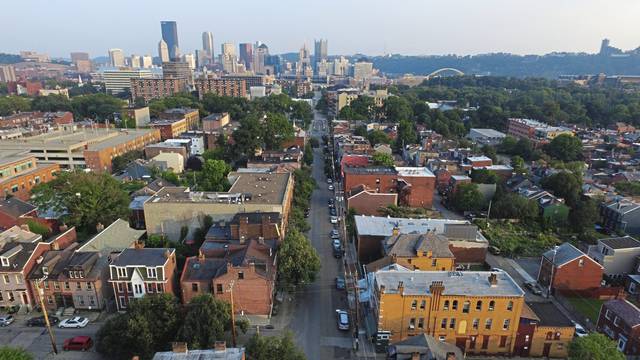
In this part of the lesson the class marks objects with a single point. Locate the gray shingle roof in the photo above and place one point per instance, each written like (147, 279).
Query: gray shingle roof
(15, 207)
(564, 254)
(624, 242)
(625, 310)
(115, 237)
(142, 257)
(407, 245)
(425, 344)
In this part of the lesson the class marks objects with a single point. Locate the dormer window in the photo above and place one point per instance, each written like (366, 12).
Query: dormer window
(151, 273)
(45, 270)
(5, 261)
(122, 272)
(80, 274)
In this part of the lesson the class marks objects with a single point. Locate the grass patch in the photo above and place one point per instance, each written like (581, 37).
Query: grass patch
(590, 308)
(515, 239)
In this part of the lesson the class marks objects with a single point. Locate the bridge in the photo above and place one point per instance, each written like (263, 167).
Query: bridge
(445, 70)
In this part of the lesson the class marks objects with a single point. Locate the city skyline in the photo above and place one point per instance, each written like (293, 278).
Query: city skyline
(430, 28)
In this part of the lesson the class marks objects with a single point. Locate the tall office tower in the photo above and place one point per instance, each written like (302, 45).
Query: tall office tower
(163, 52)
(246, 55)
(136, 61)
(228, 58)
(303, 67)
(116, 57)
(75, 56)
(260, 56)
(362, 70)
(320, 51)
(340, 66)
(7, 73)
(147, 61)
(170, 36)
(207, 46)
(81, 61)
(190, 59)
(177, 70)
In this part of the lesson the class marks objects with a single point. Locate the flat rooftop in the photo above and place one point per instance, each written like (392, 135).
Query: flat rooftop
(414, 171)
(464, 283)
(74, 140)
(383, 226)
(378, 170)
(489, 133)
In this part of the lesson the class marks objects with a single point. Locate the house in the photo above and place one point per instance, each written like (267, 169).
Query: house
(247, 270)
(429, 252)
(14, 211)
(622, 216)
(17, 258)
(568, 269)
(140, 271)
(543, 331)
(113, 239)
(617, 255)
(477, 311)
(423, 347)
(244, 227)
(619, 319)
(367, 202)
(551, 207)
(220, 351)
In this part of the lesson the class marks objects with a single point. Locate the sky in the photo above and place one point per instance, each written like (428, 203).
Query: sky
(372, 27)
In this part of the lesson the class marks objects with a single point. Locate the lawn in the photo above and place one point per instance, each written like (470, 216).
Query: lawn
(515, 239)
(587, 307)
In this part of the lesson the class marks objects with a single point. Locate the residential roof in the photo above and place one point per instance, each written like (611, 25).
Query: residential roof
(488, 132)
(212, 354)
(18, 254)
(478, 158)
(143, 257)
(16, 233)
(549, 314)
(378, 170)
(424, 345)
(625, 310)
(203, 269)
(464, 283)
(410, 171)
(383, 226)
(623, 206)
(563, 254)
(15, 207)
(115, 237)
(408, 245)
(624, 242)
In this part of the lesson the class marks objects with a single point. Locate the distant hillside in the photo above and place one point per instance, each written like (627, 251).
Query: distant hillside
(9, 58)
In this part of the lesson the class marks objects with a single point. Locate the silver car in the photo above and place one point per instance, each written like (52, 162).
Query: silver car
(343, 320)
(6, 320)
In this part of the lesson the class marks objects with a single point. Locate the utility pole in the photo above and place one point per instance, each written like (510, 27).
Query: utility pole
(233, 316)
(46, 316)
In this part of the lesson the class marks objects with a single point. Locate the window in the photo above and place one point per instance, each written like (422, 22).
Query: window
(434, 263)
(123, 303)
(421, 323)
(122, 272)
(72, 274)
(219, 288)
(443, 324)
(414, 304)
(194, 287)
(452, 323)
(5, 261)
(119, 286)
(14, 189)
(151, 273)
(442, 338)
(479, 305)
(129, 287)
(607, 314)
(503, 341)
(466, 306)
(81, 299)
(423, 304)
(476, 323)
(1, 297)
(510, 306)
(11, 298)
(46, 285)
(49, 300)
(149, 287)
(240, 275)
(56, 285)
(6, 279)
(160, 288)
(492, 305)
(556, 336)
(92, 300)
(67, 286)
(81, 274)
(89, 286)
(616, 321)
(454, 305)
(138, 289)
(549, 335)
(505, 324)
(446, 305)
(487, 324)
(412, 323)
(18, 279)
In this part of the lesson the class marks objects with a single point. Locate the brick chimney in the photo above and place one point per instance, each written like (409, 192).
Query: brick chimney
(200, 255)
(220, 346)
(179, 347)
(493, 280)
(138, 245)
(99, 227)
(401, 287)
(24, 227)
(63, 228)
(415, 356)
(167, 254)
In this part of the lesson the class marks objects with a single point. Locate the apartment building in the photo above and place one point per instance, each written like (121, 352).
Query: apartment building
(427, 252)
(20, 172)
(619, 319)
(221, 87)
(149, 89)
(119, 80)
(478, 311)
(543, 331)
(170, 129)
(17, 258)
(536, 131)
(618, 255)
(191, 116)
(140, 271)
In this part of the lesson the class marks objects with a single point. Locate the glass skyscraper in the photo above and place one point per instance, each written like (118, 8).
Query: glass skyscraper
(170, 36)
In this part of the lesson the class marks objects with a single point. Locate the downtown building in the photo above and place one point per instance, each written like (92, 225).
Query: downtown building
(232, 87)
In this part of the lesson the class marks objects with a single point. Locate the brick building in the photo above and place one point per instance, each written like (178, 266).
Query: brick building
(543, 331)
(428, 252)
(14, 211)
(569, 269)
(20, 172)
(619, 319)
(17, 258)
(149, 89)
(170, 129)
(366, 202)
(137, 272)
(215, 121)
(191, 116)
(244, 227)
(221, 87)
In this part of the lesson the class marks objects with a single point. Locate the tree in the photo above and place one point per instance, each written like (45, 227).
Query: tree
(397, 108)
(13, 353)
(594, 346)
(565, 185)
(363, 106)
(406, 134)
(467, 198)
(86, 199)
(273, 347)
(490, 152)
(514, 206)
(12, 104)
(125, 336)
(213, 176)
(484, 176)
(293, 273)
(249, 136)
(518, 165)
(53, 102)
(383, 159)
(205, 321)
(378, 137)
(583, 215)
(99, 107)
(277, 130)
(565, 147)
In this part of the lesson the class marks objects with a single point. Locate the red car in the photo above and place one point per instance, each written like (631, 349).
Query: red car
(82, 343)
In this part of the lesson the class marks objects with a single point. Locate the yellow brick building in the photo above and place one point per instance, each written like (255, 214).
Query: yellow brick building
(477, 311)
(427, 252)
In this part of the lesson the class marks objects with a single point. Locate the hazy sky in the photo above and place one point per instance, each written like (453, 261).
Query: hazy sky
(351, 26)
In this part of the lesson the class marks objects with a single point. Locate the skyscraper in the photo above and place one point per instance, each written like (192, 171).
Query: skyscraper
(136, 61)
(163, 51)
(207, 45)
(228, 58)
(170, 36)
(303, 67)
(246, 55)
(320, 51)
(147, 61)
(260, 56)
(116, 57)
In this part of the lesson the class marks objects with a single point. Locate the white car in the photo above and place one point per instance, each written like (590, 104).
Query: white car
(74, 322)
(334, 219)
(580, 331)
(343, 320)
(331, 187)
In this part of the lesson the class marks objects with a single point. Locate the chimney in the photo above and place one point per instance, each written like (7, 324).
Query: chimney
(382, 289)
(200, 255)
(24, 227)
(99, 227)
(401, 287)
(451, 356)
(138, 245)
(493, 280)
(63, 228)
(179, 347)
(167, 253)
(220, 346)
(415, 356)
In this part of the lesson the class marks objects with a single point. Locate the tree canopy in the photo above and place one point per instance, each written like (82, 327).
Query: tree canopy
(292, 272)
(205, 321)
(13, 353)
(565, 147)
(273, 347)
(382, 159)
(467, 197)
(594, 346)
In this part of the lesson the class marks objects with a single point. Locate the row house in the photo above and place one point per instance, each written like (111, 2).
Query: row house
(566, 268)
(619, 319)
(16, 261)
(140, 271)
(617, 255)
(543, 331)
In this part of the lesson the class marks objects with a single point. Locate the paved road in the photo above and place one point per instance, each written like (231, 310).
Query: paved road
(313, 320)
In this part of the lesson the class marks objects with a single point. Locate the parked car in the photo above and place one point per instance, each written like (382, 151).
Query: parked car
(74, 322)
(331, 187)
(329, 181)
(340, 283)
(78, 343)
(580, 331)
(333, 211)
(343, 320)
(330, 202)
(39, 321)
(494, 250)
(335, 233)
(533, 287)
(496, 270)
(6, 320)
(334, 219)
(337, 248)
